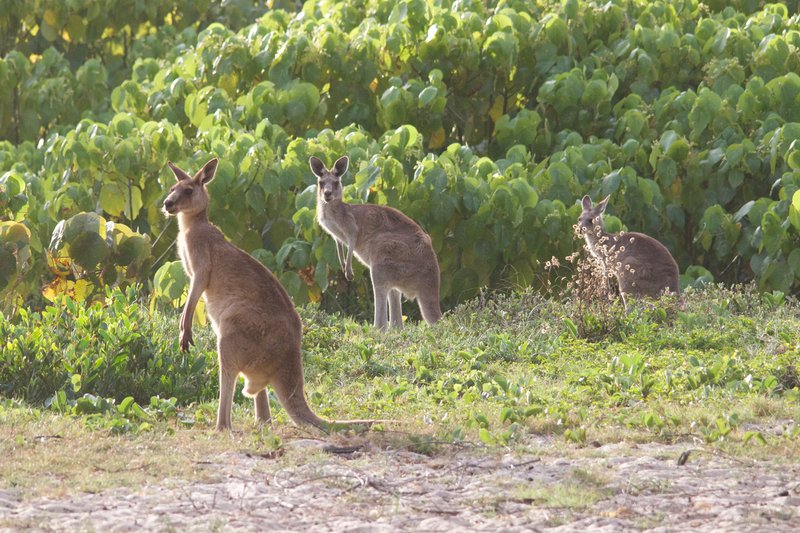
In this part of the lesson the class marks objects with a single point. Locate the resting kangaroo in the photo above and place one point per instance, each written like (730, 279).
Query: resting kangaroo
(397, 252)
(642, 265)
(258, 329)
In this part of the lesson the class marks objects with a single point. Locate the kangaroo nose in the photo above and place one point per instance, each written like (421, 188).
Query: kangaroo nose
(168, 204)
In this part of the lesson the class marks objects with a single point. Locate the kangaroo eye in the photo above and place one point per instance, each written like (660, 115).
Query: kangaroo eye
(188, 192)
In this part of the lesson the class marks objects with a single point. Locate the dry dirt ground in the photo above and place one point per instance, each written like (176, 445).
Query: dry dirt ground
(615, 487)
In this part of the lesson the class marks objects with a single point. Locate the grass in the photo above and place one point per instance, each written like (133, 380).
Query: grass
(509, 365)
(498, 372)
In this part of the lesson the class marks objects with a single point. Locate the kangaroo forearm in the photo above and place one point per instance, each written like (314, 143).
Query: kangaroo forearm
(349, 261)
(198, 285)
(341, 252)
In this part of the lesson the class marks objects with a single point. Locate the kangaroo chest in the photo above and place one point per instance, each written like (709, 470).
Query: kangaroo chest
(193, 250)
(185, 253)
(332, 221)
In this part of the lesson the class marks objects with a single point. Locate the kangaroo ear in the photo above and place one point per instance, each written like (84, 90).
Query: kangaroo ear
(206, 174)
(180, 175)
(340, 167)
(602, 205)
(586, 203)
(317, 166)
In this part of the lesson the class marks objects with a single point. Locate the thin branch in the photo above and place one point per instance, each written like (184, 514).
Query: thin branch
(163, 230)
(161, 257)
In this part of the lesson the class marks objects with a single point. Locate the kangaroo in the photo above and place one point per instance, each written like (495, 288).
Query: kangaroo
(396, 250)
(642, 265)
(258, 329)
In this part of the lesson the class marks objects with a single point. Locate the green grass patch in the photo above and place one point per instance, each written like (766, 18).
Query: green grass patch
(495, 371)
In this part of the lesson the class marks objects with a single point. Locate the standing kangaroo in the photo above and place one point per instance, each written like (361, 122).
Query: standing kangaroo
(396, 250)
(258, 329)
(642, 265)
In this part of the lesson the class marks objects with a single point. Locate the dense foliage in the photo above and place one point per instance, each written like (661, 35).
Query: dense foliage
(484, 121)
(112, 350)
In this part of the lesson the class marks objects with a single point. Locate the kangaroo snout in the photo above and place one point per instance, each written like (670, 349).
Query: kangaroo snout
(169, 206)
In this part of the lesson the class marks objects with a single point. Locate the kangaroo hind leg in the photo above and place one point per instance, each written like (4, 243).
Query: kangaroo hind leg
(227, 386)
(380, 291)
(261, 401)
(255, 386)
(395, 309)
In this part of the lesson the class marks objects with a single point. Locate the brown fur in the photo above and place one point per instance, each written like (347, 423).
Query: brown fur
(258, 329)
(397, 251)
(644, 268)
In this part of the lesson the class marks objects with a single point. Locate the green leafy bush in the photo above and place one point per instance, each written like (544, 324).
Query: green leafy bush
(111, 349)
(483, 122)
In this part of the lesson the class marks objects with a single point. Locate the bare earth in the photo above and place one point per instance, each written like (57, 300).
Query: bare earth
(616, 487)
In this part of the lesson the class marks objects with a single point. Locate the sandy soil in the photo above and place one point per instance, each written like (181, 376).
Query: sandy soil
(616, 487)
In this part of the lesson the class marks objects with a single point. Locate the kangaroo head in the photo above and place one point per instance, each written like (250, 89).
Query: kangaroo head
(189, 195)
(329, 181)
(590, 221)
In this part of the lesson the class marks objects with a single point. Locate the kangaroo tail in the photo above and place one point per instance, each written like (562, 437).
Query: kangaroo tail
(293, 399)
(302, 415)
(290, 392)
(429, 306)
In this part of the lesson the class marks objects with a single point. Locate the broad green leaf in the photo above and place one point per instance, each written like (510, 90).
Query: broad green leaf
(133, 249)
(395, 105)
(557, 31)
(170, 281)
(122, 124)
(112, 198)
(89, 249)
(773, 232)
(8, 264)
(14, 232)
(594, 93)
(11, 184)
(486, 437)
(794, 262)
(743, 211)
(793, 159)
(571, 8)
(125, 404)
(796, 200)
(501, 49)
(427, 95)
(76, 382)
(82, 223)
(294, 286)
(525, 193)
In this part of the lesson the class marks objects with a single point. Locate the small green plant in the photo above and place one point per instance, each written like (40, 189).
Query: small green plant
(721, 428)
(105, 414)
(575, 435)
(628, 375)
(774, 299)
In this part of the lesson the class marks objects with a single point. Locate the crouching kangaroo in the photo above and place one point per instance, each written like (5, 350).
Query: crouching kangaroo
(258, 329)
(642, 265)
(396, 250)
